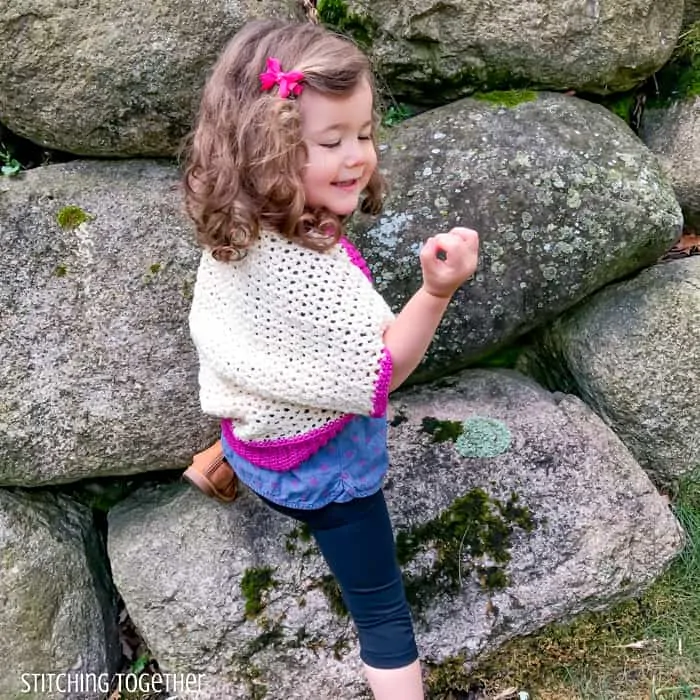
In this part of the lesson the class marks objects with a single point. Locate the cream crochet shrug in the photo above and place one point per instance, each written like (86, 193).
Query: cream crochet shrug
(290, 347)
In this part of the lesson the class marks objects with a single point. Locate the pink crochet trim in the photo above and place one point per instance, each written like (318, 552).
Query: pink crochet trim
(356, 257)
(386, 365)
(381, 388)
(285, 453)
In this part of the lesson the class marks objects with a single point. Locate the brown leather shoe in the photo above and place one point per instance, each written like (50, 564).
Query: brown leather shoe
(212, 474)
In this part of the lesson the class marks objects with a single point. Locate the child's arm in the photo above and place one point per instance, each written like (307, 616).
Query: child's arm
(447, 261)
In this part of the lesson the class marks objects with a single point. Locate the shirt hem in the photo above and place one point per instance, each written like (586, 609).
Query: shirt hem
(316, 505)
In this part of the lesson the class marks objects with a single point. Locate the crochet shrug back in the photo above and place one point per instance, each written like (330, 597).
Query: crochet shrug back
(290, 346)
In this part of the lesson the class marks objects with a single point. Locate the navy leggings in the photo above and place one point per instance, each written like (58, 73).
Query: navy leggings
(357, 542)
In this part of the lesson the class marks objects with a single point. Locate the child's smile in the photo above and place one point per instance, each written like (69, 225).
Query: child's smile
(337, 132)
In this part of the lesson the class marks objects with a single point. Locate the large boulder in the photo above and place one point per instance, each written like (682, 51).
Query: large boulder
(58, 604)
(673, 134)
(513, 507)
(631, 353)
(99, 375)
(565, 196)
(435, 51)
(115, 78)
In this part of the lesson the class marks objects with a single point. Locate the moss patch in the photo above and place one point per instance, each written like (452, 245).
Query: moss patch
(396, 114)
(71, 217)
(60, 271)
(623, 106)
(336, 15)
(506, 98)
(254, 584)
(399, 417)
(271, 636)
(449, 680)
(505, 357)
(329, 586)
(441, 430)
(297, 535)
(473, 526)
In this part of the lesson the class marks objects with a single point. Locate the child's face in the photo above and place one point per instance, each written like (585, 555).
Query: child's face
(341, 157)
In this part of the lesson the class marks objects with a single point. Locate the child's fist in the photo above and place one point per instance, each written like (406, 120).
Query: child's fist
(448, 260)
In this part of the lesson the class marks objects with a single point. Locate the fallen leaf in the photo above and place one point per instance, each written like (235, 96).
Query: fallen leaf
(506, 694)
(687, 242)
(641, 644)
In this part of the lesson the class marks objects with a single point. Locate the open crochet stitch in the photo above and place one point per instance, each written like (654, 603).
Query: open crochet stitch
(290, 345)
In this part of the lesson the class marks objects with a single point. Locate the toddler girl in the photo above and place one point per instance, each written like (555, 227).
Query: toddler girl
(297, 351)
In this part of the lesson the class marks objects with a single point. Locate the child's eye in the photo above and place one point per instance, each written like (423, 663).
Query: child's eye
(331, 145)
(365, 138)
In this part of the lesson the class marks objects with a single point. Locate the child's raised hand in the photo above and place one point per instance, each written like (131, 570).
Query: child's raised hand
(448, 260)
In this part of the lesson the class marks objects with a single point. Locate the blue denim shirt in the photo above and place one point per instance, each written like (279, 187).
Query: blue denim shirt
(351, 465)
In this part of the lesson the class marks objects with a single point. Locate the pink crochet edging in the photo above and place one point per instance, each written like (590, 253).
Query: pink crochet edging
(283, 454)
(381, 388)
(356, 257)
(386, 365)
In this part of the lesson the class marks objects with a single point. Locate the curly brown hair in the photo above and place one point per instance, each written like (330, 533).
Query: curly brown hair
(245, 154)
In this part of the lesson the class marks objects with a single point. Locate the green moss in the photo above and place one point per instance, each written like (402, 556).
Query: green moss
(329, 586)
(60, 271)
(396, 114)
(155, 268)
(300, 533)
(491, 577)
(504, 357)
(506, 98)
(399, 417)
(473, 526)
(623, 106)
(254, 584)
(449, 679)
(71, 217)
(336, 15)
(340, 648)
(187, 290)
(269, 637)
(251, 675)
(441, 430)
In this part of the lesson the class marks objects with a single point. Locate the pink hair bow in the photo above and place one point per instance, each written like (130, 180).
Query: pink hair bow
(274, 75)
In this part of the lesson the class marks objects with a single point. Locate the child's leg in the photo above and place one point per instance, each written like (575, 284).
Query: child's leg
(396, 684)
(357, 541)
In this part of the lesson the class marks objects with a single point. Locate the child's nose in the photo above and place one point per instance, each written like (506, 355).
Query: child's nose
(355, 154)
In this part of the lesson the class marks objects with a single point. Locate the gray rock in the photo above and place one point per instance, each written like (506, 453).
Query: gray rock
(579, 525)
(434, 51)
(113, 79)
(566, 199)
(673, 134)
(58, 606)
(631, 353)
(98, 374)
